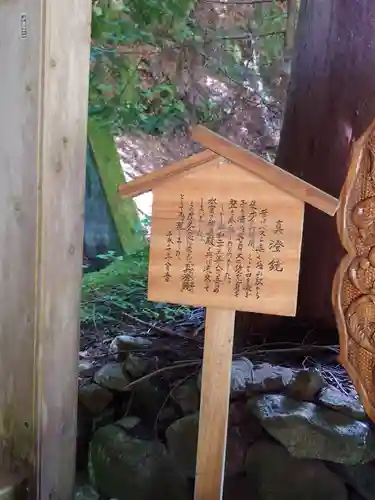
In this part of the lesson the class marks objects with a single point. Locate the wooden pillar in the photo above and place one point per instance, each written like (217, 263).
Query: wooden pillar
(43, 103)
(331, 101)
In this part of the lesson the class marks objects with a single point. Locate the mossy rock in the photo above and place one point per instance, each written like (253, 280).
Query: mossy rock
(124, 467)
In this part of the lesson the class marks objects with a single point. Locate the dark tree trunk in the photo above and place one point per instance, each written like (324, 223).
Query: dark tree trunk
(331, 100)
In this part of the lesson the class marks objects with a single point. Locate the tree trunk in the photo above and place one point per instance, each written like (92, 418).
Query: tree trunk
(331, 101)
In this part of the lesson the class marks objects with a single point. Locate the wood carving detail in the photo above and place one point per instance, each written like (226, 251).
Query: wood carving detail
(354, 284)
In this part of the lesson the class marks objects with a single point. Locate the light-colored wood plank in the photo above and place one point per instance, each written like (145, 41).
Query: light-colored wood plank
(43, 103)
(265, 170)
(213, 415)
(65, 37)
(149, 181)
(19, 113)
(222, 259)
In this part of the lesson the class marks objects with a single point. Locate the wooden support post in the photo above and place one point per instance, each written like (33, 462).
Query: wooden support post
(43, 103)
(65, 57)
(215, 391)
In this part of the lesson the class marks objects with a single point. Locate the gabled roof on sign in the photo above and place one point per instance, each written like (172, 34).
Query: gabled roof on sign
(218, 146)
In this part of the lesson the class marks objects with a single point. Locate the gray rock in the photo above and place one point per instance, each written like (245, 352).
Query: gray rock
(249, 427)
(182, 437)
(269, 378)
(128, 423)
(305, 385)
(311, 431)
(242, 374)
(85, 492)
(136, 366)
(273, 474)
(124, 343)
(148, 399)
(112, 377)
(360, 477)
(187, 396)
(262, 377)
(123, 467)
(86, 368)
(105, 418)
(94, 398)
(335, 399)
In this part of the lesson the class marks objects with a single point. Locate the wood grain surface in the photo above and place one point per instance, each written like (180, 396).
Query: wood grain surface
(222, 259)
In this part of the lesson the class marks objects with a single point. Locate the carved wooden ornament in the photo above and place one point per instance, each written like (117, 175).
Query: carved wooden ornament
(354, 284)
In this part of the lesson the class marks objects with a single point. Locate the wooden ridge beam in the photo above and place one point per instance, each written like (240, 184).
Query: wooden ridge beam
(266, 170)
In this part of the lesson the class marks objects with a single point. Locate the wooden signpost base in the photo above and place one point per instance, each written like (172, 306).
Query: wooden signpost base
(215, 391)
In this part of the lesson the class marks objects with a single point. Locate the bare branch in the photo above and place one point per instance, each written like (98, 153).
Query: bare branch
(250, 36)
(238, 2)
(272, 33)
(236, 37)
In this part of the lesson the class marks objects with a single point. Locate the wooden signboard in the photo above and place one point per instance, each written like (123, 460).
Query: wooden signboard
(226, 234)
(223, 237)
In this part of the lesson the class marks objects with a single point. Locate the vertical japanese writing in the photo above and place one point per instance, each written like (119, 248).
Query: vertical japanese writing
(210, 243)
(188, 273)
(180, 225)
(201, 220)
(168, 258)
(251, 228)
(279, 229)
(231, 248)
(219, 254)
(231, 230)
(259, 277)
(240, 243)
(275, 245)
(262, 229)
(219, 259)
(222, 215)
(248, 276)
(251, 223)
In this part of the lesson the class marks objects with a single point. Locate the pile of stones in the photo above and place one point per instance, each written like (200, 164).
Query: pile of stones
(290, 435)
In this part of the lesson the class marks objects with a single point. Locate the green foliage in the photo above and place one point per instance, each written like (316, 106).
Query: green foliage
(121, 287)
(117, 93)
(270, 22)
(128, 36)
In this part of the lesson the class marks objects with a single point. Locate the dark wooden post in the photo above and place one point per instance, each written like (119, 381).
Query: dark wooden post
(331, 101)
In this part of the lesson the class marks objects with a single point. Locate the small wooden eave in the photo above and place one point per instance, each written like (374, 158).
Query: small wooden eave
(218, 146)
(148, 182)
